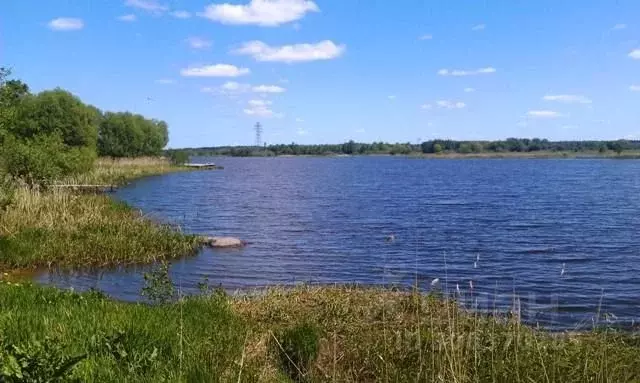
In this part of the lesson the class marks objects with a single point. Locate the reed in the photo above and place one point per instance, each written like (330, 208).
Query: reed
(311, 334)
(57, 227)
(108, 171)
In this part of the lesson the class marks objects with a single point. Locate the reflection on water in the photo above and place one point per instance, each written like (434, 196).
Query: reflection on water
(505, 227)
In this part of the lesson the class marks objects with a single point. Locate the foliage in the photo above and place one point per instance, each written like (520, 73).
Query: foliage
(7, 191)
(131, 135)
(178, 157)
(297, 349)
(36, 362)
(196, 340)
(60, 228)
(342, 334)
(52, 134)
(158, 286)
(510, 145)
(57, 112)
(44, 158)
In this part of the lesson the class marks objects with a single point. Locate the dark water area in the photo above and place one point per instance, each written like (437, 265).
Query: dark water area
(560, 237)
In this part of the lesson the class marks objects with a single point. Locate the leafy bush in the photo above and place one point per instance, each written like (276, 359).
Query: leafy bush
(131, 135)
(158, 285)
(7, 190)
(297, 349)
(44, 158)
(178, 157)
(36, 362)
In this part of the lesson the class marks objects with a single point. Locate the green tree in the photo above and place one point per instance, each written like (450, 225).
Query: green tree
(465, 148)
(437, 148)
(43, 158)
(57, 112)
(129, 135)
(44, 136)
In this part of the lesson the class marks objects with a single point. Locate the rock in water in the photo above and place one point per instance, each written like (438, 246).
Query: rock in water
(224, 242)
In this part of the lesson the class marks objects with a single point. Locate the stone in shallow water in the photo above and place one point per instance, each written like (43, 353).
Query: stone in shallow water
(223, 242)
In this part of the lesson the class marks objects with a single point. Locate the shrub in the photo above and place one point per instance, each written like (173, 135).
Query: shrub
(178, 157)
(36, 362)
(297, 349)
(44, 158)
(158, 285)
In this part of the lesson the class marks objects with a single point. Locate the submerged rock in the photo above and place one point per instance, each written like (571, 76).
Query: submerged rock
(224, 242)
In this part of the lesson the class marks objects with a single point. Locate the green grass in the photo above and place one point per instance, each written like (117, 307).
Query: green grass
(107, 171)
(340, 334)
(57, 227)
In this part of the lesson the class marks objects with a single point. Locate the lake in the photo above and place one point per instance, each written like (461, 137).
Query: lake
(560, 237)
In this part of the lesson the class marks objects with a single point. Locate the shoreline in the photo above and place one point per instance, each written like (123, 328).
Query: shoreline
(484, 155)
(295, 333)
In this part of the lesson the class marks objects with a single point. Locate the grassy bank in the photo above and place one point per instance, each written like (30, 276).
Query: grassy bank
(339, 334)
(309, 334)
(56, 227)
(107, 171)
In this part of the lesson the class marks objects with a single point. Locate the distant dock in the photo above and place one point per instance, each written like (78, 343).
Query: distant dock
(204, 166)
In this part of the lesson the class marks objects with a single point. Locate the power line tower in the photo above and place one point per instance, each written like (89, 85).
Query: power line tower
(258, 129)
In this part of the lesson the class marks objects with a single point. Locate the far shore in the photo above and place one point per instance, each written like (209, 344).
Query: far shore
(483, 155)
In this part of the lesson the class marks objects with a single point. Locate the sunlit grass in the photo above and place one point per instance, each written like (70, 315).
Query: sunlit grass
(107, 171)
(57, 227)
(354, 334)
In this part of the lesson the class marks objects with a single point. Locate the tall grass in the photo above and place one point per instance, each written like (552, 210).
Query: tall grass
(107, 171)
(56, 227)
(307, 334)
(64, 229)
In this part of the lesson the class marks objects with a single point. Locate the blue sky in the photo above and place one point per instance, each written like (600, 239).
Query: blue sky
(326, 71)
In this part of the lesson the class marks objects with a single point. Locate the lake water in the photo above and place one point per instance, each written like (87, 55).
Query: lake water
(559, 235)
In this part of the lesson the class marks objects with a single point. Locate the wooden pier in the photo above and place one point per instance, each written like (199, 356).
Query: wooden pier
(203, 166)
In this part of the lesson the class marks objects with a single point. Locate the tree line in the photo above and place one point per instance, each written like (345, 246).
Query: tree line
(53, 133)
(427, 147)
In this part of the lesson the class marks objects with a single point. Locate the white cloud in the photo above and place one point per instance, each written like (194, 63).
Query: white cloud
(259, 103)
(425, 37)
(302, 132)
(446, 104)
(619, 27)
(426, 106)
(460, 73)
(323, 50)
(543, 114)
(567, 98)
(568, 127)
(165, 81)
(391, 97)
(298, 119)
(261, 108)
(268, 89)
(479, 27)
(128, 18)
(469, 90)
(181, 14)
(217, 70)
(66, 24)
(267, 13)
(635, 54)
(147, 5)
(360, 131)
(198, 43)
(232, 86)
(634, 88)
